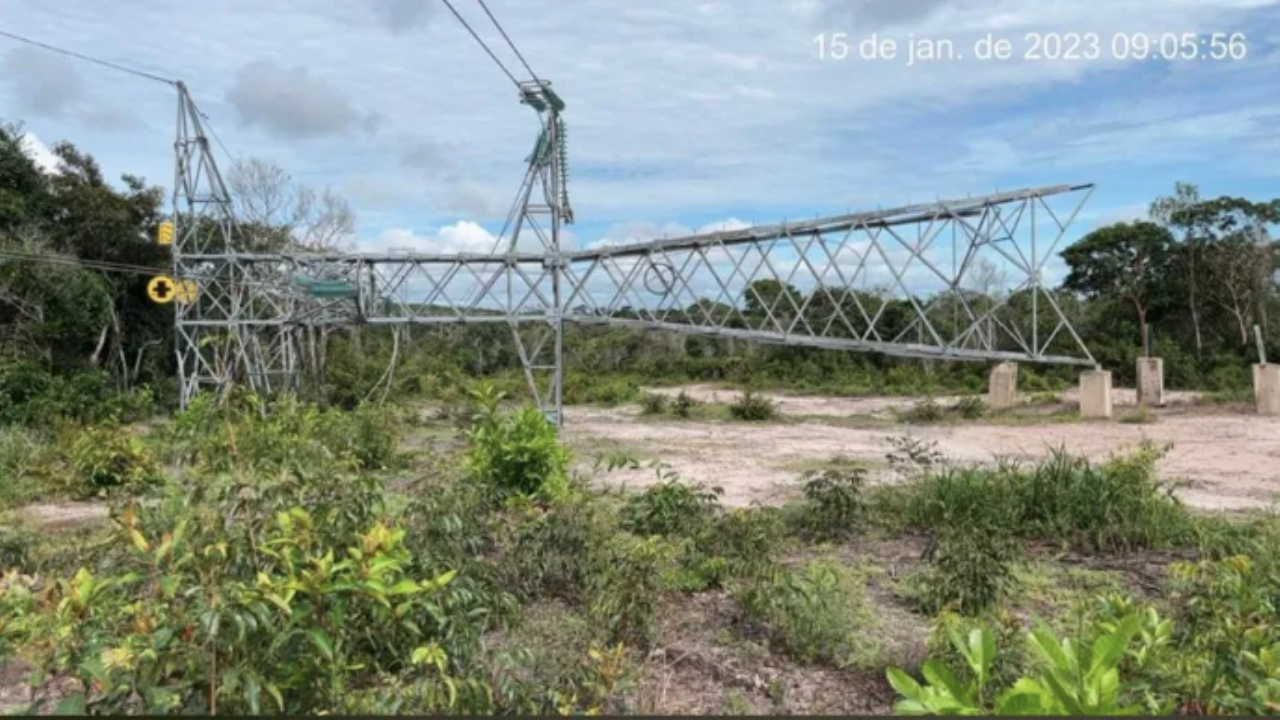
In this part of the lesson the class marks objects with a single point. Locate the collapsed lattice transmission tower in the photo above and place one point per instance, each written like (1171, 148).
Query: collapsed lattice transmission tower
(947, 280)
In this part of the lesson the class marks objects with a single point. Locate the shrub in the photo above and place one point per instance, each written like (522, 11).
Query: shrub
(517, 453)
(750, 407)
(817, 614)
(110, 457)
(653, 403)
(670, 507)
(970, 570)
(625, 588)
(30, 395)
(251, 433)
(970, 407)
(684, 405)
(833, 507)
(1117, 506)
(926, 410)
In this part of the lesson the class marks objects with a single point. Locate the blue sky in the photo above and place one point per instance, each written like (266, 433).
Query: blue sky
(682, 114)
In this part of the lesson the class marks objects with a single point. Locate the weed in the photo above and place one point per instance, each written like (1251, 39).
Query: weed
(751, 407)
(684, 405)
(671, 507)
(625, 588)
(653, 403)
(926, 410)
(517, 453)
(833, 508)
(817, 614)
(970, 407)
(1140, 415)
(970, 570)
(109, 457)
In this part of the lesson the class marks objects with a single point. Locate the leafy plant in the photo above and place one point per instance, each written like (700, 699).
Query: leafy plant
(670, 507)
(653, 403)
(1080, 680)
(970, 407)
(625, 588)
(817, 614)
(108, 457)
(684, 405)
(970, 570)
(517, 453)
(926, 410)
(834, 507)
(752, 407)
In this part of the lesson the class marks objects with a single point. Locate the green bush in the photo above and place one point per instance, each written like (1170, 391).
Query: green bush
(625, 588)
(670, 507)
(833, 506)
(970, 407)
(970, 570)
(110, 457)
(926, 410)
(653, 403)
(816, 614)
(30, 395)
(751, 407)
(518, 453)
(684, 405)
(250, 433)
(1116, 506)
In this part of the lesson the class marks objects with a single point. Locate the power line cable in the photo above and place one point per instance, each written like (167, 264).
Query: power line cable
(508, 39)
(87, 58)
(505, 71)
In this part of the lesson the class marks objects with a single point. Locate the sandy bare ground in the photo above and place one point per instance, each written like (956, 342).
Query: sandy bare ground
(1230, 459)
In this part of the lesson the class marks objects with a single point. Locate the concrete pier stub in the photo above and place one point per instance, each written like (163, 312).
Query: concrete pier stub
(1266, 389)
(1151, 381)
(1003, 393)
(1095, 395)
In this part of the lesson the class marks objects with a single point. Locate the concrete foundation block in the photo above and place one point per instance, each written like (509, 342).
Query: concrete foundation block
(1003, 393)
(1151, 382)
(1266, 389)
(1095, 395)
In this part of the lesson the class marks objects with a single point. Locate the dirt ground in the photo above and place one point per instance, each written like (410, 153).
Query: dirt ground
(1229, 457)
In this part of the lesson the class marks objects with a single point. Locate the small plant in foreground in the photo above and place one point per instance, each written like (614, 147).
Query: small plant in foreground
(752, 407)
(1077, 679)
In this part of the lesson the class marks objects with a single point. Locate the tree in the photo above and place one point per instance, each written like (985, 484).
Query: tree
(279, 215)
(1170, 212)
(1130, 262)
(766, 297)
(1236, 255)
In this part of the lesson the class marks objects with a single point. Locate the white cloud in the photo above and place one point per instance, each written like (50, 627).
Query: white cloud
(41, 154)
(461, 237)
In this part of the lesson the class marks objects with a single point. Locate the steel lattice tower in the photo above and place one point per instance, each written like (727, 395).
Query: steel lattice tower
(848, 282)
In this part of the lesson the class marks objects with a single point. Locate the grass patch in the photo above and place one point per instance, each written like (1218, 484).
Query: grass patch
(1140, 415)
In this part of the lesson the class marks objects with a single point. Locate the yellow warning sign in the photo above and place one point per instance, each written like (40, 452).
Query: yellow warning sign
(164, 235)
(162, 289)
(185, 292)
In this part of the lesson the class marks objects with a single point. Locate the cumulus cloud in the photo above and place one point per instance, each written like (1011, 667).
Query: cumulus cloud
(44, 158)
(293, 103)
